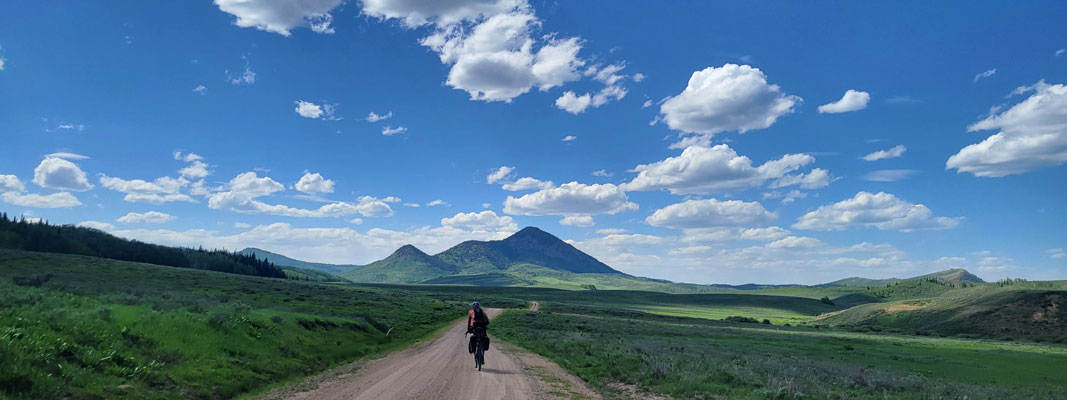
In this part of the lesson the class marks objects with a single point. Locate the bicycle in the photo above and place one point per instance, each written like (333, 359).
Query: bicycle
(479, 350)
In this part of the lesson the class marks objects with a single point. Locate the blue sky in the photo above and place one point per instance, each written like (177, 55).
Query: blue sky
(693, 141)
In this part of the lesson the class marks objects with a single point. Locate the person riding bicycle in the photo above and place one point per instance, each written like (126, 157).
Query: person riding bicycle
(476, 318)
(477, 321)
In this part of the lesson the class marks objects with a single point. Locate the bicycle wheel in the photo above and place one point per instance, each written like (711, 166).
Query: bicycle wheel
(479, 358)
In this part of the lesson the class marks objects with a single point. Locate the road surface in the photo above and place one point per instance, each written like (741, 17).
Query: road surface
(442, 369)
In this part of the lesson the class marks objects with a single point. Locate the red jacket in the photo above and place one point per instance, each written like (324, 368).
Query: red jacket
(470, 319)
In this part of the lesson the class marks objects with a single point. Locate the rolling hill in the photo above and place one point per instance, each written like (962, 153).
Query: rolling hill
(280, 260)
(955, 276)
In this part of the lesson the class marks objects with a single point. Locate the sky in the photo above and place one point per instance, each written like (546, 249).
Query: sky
(705, 142)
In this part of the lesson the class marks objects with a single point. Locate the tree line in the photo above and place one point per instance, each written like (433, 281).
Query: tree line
(21, 234)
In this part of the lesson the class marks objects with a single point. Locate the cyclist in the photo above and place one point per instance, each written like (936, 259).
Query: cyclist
(477, 321)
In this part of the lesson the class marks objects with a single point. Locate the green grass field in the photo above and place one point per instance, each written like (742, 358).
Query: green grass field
(695, 358)
(103, 329)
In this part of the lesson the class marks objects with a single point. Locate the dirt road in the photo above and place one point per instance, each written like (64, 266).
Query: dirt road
(442, 369)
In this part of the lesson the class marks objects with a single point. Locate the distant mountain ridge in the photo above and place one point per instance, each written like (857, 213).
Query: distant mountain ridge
(281, 260)
(528, 247)
(949, 276)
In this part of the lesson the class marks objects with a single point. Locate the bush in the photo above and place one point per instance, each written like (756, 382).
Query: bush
(826, 300)
(766, 321)
(276, 318)
(737, 318)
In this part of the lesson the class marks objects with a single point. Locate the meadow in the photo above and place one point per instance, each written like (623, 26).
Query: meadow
(698, 358)
(90, 328)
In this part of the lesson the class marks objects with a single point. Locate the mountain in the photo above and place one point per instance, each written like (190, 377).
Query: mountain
(281, 260)
(527, 258)
(528, 246)
(955, 276)
(407, 264)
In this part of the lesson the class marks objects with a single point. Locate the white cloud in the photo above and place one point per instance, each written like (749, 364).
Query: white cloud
(793, 242)
(373, 117)
(573, 103)
(11, 183)
(418, 13)
(68, 156)
(1059, 253)
(526, 183)
(200, 89)
(241, 225)
(1033, 135)
(482, 221)
(281, 16)
(161, 190)
(610, 231)
(704, 170)
(786, 197)
(894, 152)
(151, 217)
(985, 74)
(638, 77)
(768, 233)
(57, 173)
(486, 205)
(729, 98)
(308, 109)
(709, 213)
(1057, 54)
(197, 169)
(413, 205)
(54, 200)
(601, 173)
(435, 203)
(247, 77)
(187, 157)
(500, 174)
(852, 101)
(888, 175)
(356, 221)
(390, 131)
(815, 179)
(571, 199)
(689, 250)
(569, 138)
(246, 187)
(880, 210)
(103, 226)
(314, 183)
(251, 185)
(2, 61)
(577, 220)
(646, 104)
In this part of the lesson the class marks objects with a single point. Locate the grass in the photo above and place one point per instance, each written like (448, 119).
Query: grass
(694, 358)
(97, 328)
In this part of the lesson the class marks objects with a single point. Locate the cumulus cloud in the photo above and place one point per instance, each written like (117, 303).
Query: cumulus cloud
(602, 173)
(390, 131)
(103, 226)
(1032, 135)
(308, 109)
(879, 210)
(314, 183)
(571, 199)
(500, 174)
(2, 61)
(373, 117)
(577, 220)
(200, 89)
(609, 76)
(763, 234)
(1058, 253)
(11, 183)
(526, 183)
(793, 242)
(54, 200)
(481, 221)
(729, 98)
(435, 203)
(894, 152)
(853, 100)
(245, 188)
(889, 175)
(709, 213)
(161, 190)
(815, 179)
(151, 217)
(281, 16)
(704, 170)
(57, 173)
(569, 138)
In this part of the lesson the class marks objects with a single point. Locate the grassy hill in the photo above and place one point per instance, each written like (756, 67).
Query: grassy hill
(407, 264)
(312, 275)
(280, 260)
(91, 328)
(1005, 310)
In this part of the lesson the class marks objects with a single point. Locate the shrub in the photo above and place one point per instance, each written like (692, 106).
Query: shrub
(766, 321)
(826, 300)
(276, 318)
(737, 318)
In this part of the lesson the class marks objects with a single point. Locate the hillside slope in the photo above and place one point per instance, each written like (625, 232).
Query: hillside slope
(1017, 310)
(407, 264)
(281, 260)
